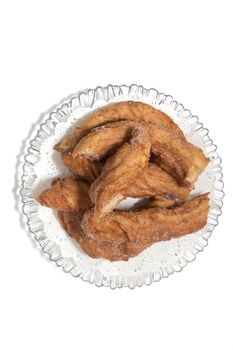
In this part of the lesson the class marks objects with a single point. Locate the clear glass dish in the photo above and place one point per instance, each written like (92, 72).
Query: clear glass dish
(40, 163)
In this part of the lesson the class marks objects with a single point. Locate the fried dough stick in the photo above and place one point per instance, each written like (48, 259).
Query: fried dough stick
(177, 156)
(121, 171)
(82, 167)
(128, 110)
(71, 222)
(66, 194)
(155, 224)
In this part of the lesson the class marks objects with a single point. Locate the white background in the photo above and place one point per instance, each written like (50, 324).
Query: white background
(50, 49)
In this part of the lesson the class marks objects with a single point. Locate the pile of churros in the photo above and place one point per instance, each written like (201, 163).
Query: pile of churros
(127, 149)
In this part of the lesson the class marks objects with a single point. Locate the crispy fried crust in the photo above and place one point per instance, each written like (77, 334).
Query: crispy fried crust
(104, 140)
(129, 110)
(156, 182)
(133, 249)
(160, 202)
(66, 194)
(82, 167)
(71, 222)
(155, 224)
(121, 171)
(179, 158)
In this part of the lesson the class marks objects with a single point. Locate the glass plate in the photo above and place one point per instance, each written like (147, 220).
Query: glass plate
(40, 163)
